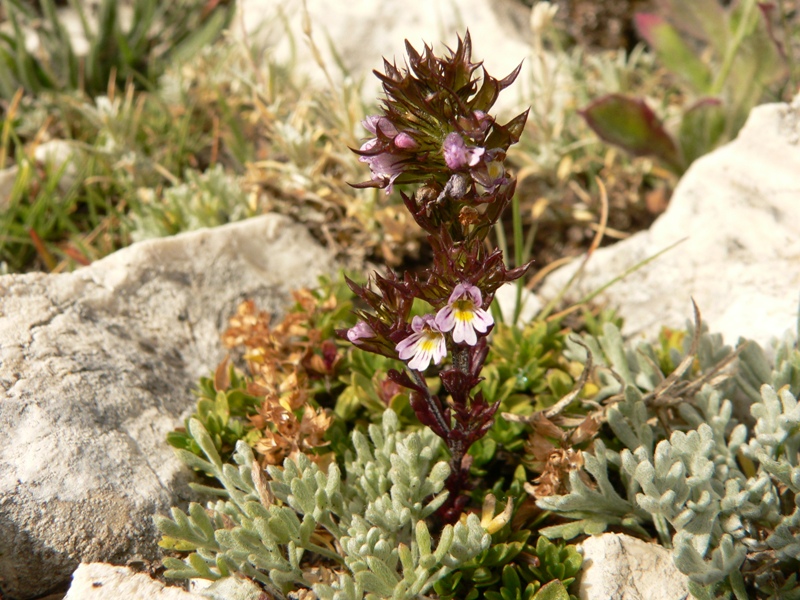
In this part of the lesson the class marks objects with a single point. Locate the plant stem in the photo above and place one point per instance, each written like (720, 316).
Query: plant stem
(434, 407)
(733, 49)
(519, 249)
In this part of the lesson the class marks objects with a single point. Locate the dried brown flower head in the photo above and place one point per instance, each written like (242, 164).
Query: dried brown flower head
(282, 359)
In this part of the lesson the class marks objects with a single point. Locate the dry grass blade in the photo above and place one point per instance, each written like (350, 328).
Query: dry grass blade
(559, 406)
(672, 390)
(260, 483)
(684, 365)
(8, 122)
(598, 238)
(591, 296)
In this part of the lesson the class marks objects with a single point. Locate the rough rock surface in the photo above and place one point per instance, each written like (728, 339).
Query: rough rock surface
(101, 581)
(622, 567)
(738, 209)
(363, 31)
(96, 366)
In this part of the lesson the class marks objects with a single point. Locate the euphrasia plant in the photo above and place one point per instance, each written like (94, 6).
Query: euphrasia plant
(435, 131)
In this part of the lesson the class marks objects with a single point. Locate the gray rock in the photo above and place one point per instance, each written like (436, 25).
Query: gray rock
(96, 366)
(739, 213)
(621, 567)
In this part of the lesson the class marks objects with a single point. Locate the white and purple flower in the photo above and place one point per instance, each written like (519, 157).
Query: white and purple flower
(458, 155)
(373, 123)
(360, 331)
(426, 344)
(463, 315)
(385, 164)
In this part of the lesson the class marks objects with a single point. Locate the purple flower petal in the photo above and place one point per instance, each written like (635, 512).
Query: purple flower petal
(426, 344)
(360, 331)
(404, 141)
(458, 155)
(463, 315)
(375, 122)
(454, 150)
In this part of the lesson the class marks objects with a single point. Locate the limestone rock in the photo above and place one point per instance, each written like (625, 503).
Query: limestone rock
(96, 366)
(101, 581)
(506, 298)
(738, 210)
(363, 31)
(622, 567)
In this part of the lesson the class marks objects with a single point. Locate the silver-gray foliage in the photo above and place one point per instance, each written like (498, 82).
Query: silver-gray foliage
(204, 199)
(376, 514)
(710, 489)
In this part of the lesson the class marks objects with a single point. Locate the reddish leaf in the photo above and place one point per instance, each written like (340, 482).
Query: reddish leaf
(41, 249)
(630, 124)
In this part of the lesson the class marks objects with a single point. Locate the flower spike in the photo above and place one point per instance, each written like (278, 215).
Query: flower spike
(435, 130)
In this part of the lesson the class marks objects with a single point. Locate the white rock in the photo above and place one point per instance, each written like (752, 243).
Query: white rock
(621, 567)
(100, 581)
(96, 366)
(739, 210)
(506, 297)
(364, 31)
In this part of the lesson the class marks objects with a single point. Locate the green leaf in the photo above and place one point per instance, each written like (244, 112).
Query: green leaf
(222, 408)
(630, 124)
(559, 383)
(673, 52)
(703, 19)
(202, 438)
(574, 529)
(381, 569)
(372, 583)
(424, 538)
(702, 128)
(511, 578)
(554, 590)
